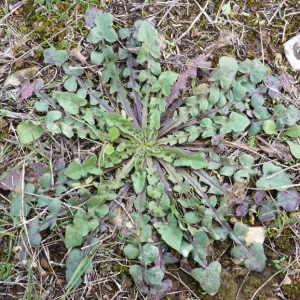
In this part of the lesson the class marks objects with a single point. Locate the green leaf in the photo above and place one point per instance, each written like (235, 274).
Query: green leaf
(45, 181)
(171, 234)
(155, 67)
(72, 263)
(103, 30)
(273, 178)
(226, 8)
(16, 209)
(149, 254)
(192, 217)
(70, 102)
(41, 106)
(90, 166)
(196, 161)
(113, 133)
(258, 71)
(253, 67)
(153, 276)
(236, 122)
(269, 127)
(214, 94)
(53, 116)
(34, 233)
(29, 132)
(164, 83)
(185, 248)
(261, 112)
(138, 219)
(295, 149)
(240, 229)
(201, 240)
(156, 209)
(209, 278)
(73, 237)
(44, 200)
(55, 206)
(228, 69)
(256, 258)
(109, 150)
(57, 57)
(149, 36)
(70, 84)
(292, 132)
(73, 171)
(145, 233)
(246, 160)
(139, 180)
(97, 57)
(131, 251)
(102, 210)
(238, 91)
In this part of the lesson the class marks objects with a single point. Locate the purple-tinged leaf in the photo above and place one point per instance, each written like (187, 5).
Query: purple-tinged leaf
(176, 123)
(158, 293)
(170, 170)
(199, 62)
(259, 196)
(36, 172)
(274, 84)
(38, 84)
(112, 72)
(90, 15)
(161, 175)
(26, 90)
(59, 165)
(159, 262)
(256, 258)
(267, 212)
(57, 57)
(289, 200)
(133, 85)
(209, 278)
(169, 258)
(119, 199)
(287, 82)
(84, 86)
(137, 274)
(34, 233)
(242, 210)
(215, 187)
(10, 181)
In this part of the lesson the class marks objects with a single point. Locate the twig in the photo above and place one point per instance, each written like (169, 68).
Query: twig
(262, 47)
(179, 279)
(256, 292)
(280, 271)
(279, 7)
(204, 12)
(11, 114)
(192, 25)
(238, 293)
(164, 16)
(17, 6)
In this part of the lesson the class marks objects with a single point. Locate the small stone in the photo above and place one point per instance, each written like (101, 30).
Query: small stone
(287, 280)
(17, 249)
(292, 52)
(256, 234)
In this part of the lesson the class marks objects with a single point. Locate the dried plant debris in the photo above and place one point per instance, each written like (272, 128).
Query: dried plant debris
(129, 149)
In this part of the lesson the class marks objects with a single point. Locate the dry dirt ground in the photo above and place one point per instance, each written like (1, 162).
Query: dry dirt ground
(258, 28)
